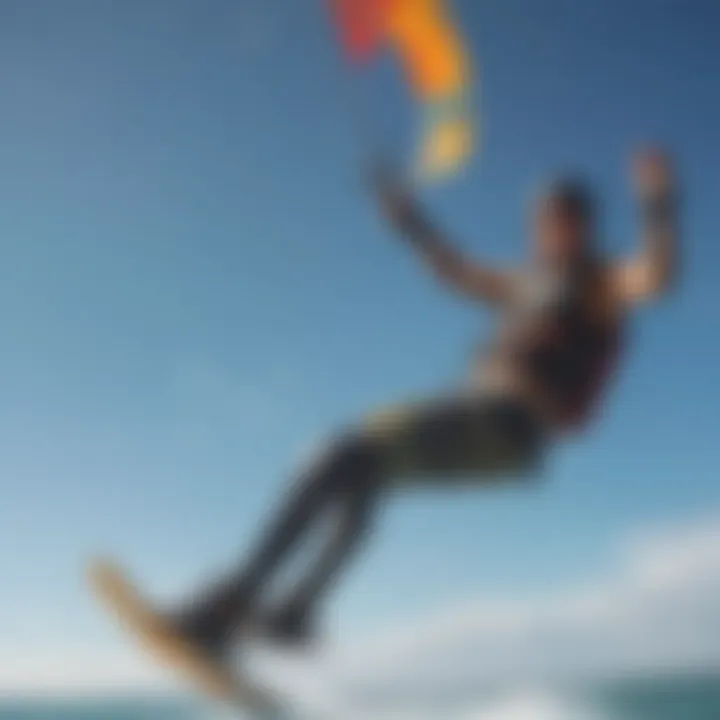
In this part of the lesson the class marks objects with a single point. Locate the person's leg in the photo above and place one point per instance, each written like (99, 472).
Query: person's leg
(477, 437)
(348, 475)
(293, 619)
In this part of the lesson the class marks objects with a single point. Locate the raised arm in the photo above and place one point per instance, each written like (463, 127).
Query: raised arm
(654, 270)
(466, 276)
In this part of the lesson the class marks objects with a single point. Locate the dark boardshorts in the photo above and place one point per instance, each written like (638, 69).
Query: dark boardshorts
(471, 437)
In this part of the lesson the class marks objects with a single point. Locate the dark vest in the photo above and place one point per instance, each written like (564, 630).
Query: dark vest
(571, 348)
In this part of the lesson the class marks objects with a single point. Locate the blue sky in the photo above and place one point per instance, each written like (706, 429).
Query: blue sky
(194, 287)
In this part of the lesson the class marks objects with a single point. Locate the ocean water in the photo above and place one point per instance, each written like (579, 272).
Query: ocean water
(667, 699)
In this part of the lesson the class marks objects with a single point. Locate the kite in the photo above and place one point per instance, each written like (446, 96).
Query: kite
(436, 64)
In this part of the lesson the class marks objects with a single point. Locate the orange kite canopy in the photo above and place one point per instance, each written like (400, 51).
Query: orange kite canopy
(430, 47)
(436, 63)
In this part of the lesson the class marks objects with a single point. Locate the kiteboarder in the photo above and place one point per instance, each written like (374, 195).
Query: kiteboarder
(563, 320)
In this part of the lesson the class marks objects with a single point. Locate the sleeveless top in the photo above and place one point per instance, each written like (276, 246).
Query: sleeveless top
(559, 342)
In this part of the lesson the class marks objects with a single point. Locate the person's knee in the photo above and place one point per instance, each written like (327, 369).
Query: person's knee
(351, 462)
(356, 453)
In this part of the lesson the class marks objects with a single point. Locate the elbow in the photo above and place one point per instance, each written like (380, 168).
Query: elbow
(449, 283)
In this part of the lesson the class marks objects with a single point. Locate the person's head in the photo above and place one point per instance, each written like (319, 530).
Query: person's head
(564, 222)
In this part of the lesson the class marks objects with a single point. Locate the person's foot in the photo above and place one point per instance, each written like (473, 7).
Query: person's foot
(215, 620)
(214, 640)
(291, 625)
(193, 655)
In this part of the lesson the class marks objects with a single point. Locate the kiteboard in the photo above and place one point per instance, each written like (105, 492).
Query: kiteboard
(191, 663)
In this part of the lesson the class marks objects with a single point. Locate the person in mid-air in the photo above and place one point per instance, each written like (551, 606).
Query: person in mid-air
(563, 320)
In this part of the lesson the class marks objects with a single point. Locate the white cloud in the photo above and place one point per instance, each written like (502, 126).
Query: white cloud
(658, 609)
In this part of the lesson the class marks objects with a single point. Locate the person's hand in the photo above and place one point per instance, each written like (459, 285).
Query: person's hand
(653, 174)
